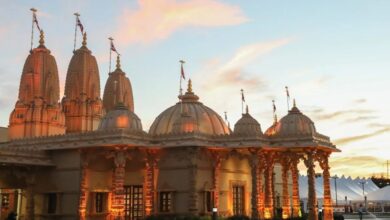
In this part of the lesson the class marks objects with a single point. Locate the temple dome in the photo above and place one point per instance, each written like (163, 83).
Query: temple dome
(37, 111)
(294, 124)
(118, 90)
(189, 116)
(40, 76)
(121, 118)
(82, 78)
(247, 125)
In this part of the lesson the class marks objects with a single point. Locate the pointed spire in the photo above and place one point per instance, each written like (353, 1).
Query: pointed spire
(294, 104)
(118, 62)
(42, 39)
(275, 118)
(85, 39)
(189, 87)
(247, 109)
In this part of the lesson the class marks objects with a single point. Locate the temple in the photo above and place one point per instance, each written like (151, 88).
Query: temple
(88, 158)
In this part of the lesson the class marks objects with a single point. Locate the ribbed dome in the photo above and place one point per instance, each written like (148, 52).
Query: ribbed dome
(118, 90)
(120, 118)
(189, 115)
(247, 125)
(294, 124)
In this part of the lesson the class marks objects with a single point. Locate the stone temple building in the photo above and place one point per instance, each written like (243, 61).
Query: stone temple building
(84, 157)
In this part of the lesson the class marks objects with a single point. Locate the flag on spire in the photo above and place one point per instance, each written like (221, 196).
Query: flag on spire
(182, 70)
(274, 106)
(35, 20)
(287, 93)
(242, 95)
(78, 22)
(113, 48)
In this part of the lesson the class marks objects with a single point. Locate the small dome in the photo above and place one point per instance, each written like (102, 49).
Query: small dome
(247, 125)
(293, 124)
(189, 115)
(120, 118)
(118, 90)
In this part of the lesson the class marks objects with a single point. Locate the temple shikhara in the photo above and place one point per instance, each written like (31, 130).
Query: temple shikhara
(84, 156)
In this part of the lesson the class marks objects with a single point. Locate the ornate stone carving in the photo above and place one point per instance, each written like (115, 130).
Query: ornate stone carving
(269, 176)
(312, 199)
(296, 206)
(254, 162)
(322, 158)
(285, 162)
(151, 159)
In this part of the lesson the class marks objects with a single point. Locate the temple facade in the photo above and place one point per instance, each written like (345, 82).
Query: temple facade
(90, 158)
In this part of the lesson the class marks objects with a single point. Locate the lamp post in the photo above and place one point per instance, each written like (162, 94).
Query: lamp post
(335, 186)
(215, 216)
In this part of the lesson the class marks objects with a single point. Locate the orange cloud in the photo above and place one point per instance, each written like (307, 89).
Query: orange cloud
(363, 166)
(232, 72)
(347, 140)
(155, 20)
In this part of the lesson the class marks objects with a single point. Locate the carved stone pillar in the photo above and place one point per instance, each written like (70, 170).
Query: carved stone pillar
(261, 198)
(83, 189)
(269, 195)
(118, 206)
(286, 197)
(327, 207)
(254, 162)
(150, 175)
(296, 204)
(312, 199)
(216, 174)
(30, 204)
(193, 169)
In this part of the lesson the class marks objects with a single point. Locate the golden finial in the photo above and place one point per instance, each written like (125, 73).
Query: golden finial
(118, 62)
(294, 104)
(85, 39)
(247, 109)
(42, 39)
(189, 88)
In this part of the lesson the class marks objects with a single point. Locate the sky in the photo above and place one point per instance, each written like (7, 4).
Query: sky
(333, 55)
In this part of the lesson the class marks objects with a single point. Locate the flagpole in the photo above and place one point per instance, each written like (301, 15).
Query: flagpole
(32, 28)
(75, 31)
(109, 67)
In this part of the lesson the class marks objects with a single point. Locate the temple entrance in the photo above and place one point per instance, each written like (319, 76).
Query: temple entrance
(134, 202)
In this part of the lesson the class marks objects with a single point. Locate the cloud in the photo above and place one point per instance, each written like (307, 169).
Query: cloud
(354, 165)
(232, 72)
(347, 140)
(360, 118)
(359, 101)
(156, 20)
(342, 113)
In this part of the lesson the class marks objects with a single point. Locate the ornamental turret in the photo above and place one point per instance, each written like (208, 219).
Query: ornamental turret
(38, 111)
(81, 102)
(118, 90)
